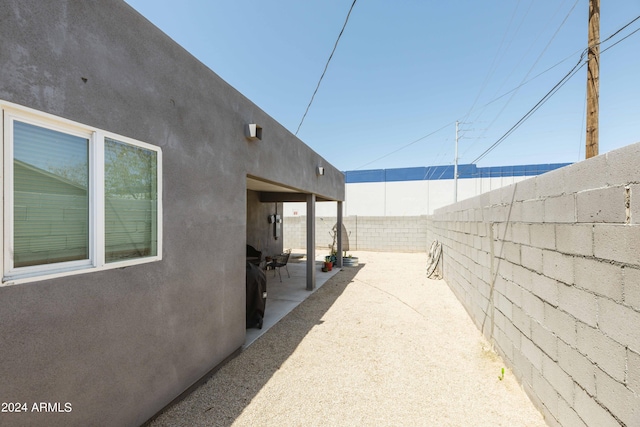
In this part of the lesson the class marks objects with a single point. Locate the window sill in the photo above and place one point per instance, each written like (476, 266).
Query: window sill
(17, 279)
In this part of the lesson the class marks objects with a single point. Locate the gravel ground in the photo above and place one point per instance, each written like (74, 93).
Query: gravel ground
(377, 345)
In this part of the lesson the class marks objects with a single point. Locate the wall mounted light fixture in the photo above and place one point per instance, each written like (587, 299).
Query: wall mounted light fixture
(254, 132)
(320, 171)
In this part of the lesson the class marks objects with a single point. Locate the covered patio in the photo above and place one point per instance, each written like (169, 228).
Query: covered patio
(267, 193)
(283, 297)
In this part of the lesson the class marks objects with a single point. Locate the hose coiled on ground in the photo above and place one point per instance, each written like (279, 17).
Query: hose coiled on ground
(432, 260)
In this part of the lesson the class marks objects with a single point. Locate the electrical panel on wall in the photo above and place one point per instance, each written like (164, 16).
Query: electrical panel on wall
(277, 226)
(276, 220)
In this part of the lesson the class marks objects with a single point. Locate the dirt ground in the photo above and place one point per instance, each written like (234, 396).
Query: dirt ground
(377, 345)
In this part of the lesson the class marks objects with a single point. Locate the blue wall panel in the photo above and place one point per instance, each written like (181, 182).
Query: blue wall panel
(432, 173)
(406, 174)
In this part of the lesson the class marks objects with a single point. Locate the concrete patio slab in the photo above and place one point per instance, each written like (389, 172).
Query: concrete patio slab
(283, 297)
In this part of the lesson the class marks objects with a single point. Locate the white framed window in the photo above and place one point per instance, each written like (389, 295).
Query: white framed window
(76, 198)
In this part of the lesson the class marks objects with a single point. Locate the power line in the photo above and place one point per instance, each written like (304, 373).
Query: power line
(495, 59)
(485, 105)
(487, 78)
(624, 38)
(504, 80)
(530, 112)
(553, 90)
(326, 66)
(406, 145)
(621, 29)
(504, 107)
(530, 80)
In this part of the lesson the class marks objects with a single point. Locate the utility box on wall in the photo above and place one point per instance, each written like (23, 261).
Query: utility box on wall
(277, 227)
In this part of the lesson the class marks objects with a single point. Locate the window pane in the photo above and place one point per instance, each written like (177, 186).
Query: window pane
(51, 201)
(130, 201)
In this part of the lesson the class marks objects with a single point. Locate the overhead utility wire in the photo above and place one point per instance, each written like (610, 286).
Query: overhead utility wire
(486, 80)
(504, 80)
(326, 66)
(560, 62)
(529, 81)
(485, 105)
(512, 90)
(553, 90)
(621, 29)
(491, 67)
(406, 145)
(624, 38)
(531, 68)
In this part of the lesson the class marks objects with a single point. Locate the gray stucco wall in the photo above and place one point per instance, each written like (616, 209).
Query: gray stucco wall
(120, 344)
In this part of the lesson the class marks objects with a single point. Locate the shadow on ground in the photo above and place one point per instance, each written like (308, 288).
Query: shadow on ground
(220, 400)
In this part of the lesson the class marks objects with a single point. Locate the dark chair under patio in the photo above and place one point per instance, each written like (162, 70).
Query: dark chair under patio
(280, 261)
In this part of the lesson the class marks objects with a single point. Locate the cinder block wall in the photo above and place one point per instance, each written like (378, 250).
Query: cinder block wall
(366, 233)
(549, 270)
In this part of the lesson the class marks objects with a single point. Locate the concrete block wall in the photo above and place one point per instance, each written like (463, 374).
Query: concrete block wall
(294, 232)
(367, 233)
(549, 270)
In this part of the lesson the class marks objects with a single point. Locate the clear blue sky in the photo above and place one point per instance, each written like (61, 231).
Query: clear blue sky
(405, 69)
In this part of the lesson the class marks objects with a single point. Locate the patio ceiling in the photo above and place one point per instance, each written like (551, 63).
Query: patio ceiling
(274, 192)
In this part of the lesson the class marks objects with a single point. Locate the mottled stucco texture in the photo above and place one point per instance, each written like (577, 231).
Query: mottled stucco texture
(121, 344)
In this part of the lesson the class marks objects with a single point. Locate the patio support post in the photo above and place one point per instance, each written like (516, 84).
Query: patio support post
(339, 235)
(311, 242)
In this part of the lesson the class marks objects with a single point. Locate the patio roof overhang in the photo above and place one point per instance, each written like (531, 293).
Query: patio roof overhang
(274, 192)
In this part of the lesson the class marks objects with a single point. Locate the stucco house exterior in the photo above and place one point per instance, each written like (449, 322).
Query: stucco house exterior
(132, 181)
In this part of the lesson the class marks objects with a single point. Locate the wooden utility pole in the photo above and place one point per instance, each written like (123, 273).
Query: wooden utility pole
(593, 79)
